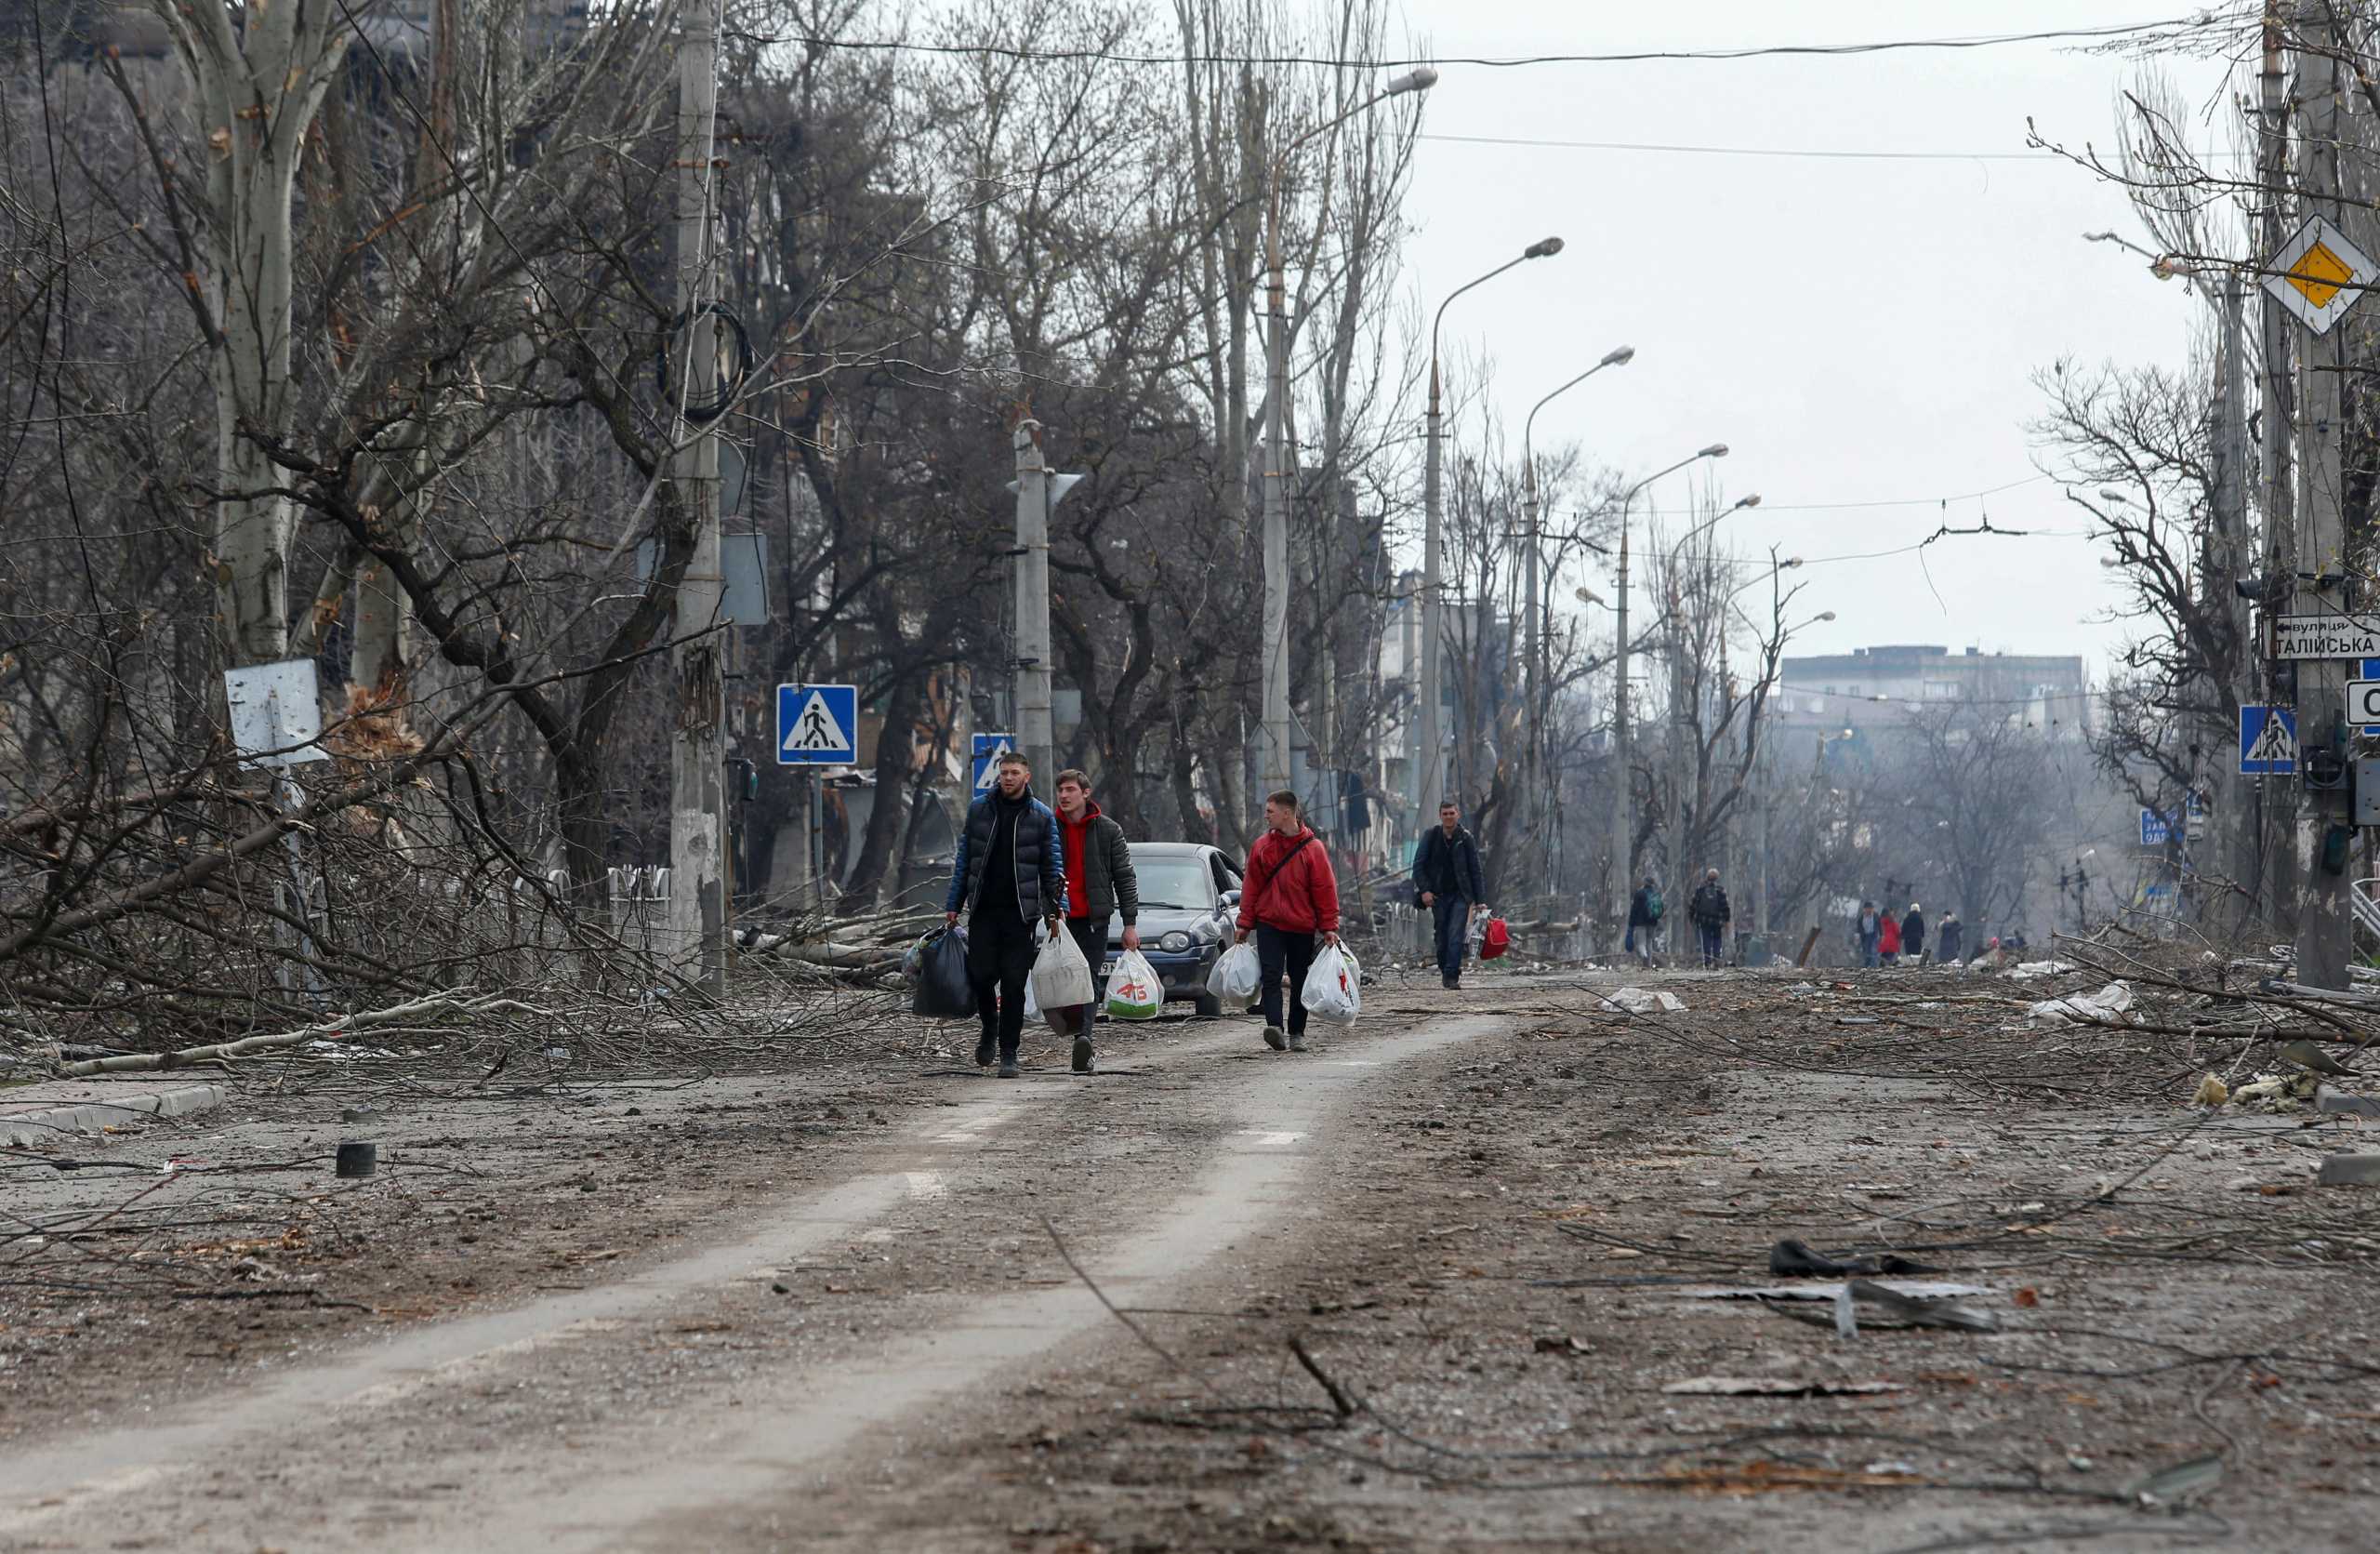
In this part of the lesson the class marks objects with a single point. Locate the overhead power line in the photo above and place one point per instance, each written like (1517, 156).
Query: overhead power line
(1515, 61)
(2042, 156)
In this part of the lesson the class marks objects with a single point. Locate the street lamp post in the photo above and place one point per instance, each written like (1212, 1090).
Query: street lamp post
(1676, 832)
(1277, 450)
(1538, 674)
(1424, 775)
(1623, 819)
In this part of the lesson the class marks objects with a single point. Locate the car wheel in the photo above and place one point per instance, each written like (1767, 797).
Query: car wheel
(1208, 1006)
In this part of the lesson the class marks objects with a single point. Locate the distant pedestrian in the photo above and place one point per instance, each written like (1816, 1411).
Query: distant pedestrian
(1645, 909)
(1949, 938)
(1288, 897)
(1448, 880)
(1711, 914)
(1011, 867)
(1912, 934)
(1100, 884)
(1869, 929)
(1887, 940)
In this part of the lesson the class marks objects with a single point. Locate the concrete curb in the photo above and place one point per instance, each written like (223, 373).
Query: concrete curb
(28, 1128)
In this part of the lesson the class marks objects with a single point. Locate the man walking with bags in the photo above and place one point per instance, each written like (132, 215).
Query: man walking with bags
(1289, 896)
(1010, 869)
(1447, 880)
(1711, 914)
(1100, 884)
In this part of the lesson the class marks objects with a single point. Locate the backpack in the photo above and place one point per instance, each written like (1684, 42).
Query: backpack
(1654, 905)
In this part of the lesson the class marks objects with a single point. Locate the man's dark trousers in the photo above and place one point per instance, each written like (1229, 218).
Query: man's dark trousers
(1000, 958)
(1451, 923)
(1278, 949)
(1714, 941)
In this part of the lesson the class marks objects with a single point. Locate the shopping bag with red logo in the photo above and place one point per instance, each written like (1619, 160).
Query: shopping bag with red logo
(1334, 987)
(1133, 992)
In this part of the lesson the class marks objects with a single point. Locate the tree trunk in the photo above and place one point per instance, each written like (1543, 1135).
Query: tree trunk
(894, 750)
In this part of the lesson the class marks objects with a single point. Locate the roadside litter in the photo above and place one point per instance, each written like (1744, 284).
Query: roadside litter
(1789, 1258)
(2100, 1008)
(1777, 1387)
(1637, 1001)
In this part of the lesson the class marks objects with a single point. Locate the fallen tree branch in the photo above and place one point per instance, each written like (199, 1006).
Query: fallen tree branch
(328, 1031)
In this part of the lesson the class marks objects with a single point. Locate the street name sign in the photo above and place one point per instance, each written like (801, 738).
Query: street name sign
(2267, 741)
(2326, 636)
(2318, 275)
(817, 725)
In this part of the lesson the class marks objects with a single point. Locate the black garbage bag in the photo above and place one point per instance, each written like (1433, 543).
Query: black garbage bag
(944, 990)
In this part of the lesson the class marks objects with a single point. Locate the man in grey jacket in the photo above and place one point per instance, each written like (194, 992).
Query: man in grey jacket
(1100, 884)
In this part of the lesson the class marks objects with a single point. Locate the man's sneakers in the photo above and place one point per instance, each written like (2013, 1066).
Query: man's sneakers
(1453, 984)
(1082, 1054)
(1297, 1041)
(986, 1050)
(1274, 1039)
(1008, 1068)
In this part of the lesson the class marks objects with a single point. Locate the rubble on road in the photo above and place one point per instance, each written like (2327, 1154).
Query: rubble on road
(1637, 1001)
(2106, 1005)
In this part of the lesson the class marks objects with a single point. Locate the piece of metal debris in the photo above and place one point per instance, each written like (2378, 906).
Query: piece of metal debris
(1915, 1289)
(2171, 1486)
(1777, 1387)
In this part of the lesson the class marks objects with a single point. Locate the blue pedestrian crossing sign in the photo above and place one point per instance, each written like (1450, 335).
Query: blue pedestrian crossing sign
(817, 725)
(2267, 741)
(989, 747)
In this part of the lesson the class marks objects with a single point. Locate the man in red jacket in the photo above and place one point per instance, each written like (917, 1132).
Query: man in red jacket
(1288, 896)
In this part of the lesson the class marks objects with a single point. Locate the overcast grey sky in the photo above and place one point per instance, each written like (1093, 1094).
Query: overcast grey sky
(1859, 331)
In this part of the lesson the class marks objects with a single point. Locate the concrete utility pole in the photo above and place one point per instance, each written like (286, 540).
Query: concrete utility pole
(2235, 814)
(697, 780)
(1426, 773)
(2275, 883)
(1034, 728)
(2325, 925)
(1274, 759)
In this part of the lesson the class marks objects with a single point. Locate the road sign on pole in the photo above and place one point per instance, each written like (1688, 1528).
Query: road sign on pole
(2325, 636)
(2318, 275)
(817, 725)
(989, 747)
(2363, 702)
(2156, 829)
(2267, 741)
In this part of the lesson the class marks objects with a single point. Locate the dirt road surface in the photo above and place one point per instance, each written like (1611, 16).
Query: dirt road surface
(1443, 1284)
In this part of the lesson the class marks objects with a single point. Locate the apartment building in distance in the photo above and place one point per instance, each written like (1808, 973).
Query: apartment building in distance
(1870, 689)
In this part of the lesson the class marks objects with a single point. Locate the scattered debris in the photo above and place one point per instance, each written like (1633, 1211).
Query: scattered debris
(2171, 1486)
(1790, 1257)
(2306, 1054)
(2211, 1092)
(1561, 1343)
(2351, 1171)
(2100, 1008)
(1914, 1289)
(1777, 1387)
(1636, 1001)
(2340, 1104)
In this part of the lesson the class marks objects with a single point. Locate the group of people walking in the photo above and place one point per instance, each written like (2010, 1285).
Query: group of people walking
(1020, 864)
(1884, 940)
(1708, 910)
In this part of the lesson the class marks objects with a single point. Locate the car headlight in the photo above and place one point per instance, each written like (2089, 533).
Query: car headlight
(1175, 943)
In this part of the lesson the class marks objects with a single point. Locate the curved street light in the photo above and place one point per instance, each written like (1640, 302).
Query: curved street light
(1276, 452)
(1426, 754)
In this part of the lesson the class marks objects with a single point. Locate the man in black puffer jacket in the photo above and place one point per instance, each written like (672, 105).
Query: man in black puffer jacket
(1012, 867)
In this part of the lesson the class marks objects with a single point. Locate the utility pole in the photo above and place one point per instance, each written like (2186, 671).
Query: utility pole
(2325, 925)
(1274, 770)
(1623, 819)
(1679, 863)
(1032, 664)
(1427, 770)
(1532, 732)
(698, 779)
(2276, 806)
(2235, 816)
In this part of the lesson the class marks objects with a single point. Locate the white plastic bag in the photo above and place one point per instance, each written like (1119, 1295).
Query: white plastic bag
(1334, 987)
(1238, 975)
(1134, 990)
(1060, 979)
